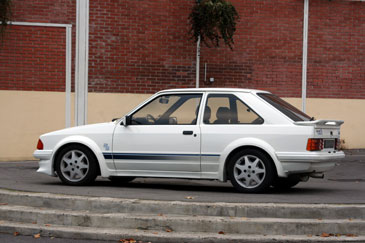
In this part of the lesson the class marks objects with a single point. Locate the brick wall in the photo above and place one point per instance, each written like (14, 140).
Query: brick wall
(143, 46)
(33, 58)
(336, 52)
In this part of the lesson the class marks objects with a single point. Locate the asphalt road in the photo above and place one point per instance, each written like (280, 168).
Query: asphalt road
(344, 184)
(8, 238)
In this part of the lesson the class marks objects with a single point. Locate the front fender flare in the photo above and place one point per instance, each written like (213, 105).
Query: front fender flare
(88, 143)
(248, 142)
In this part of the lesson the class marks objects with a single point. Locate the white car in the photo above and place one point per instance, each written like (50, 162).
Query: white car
(250, 137)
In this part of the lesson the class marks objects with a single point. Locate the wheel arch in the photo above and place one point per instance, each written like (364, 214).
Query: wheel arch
(87, 143)
(248, 143)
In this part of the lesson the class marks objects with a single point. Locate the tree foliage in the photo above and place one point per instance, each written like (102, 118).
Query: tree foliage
(213, 20)
(5, 15)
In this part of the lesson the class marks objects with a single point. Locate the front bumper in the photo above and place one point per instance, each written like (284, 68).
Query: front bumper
(308, 162)
(45, 161)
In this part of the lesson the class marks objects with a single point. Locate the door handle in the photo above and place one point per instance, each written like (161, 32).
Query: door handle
(188, 132)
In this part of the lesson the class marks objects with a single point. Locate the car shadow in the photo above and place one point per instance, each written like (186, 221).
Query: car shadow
(206, 186)
(192, 186)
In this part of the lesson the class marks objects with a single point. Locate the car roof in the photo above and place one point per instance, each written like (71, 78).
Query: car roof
(214, 90)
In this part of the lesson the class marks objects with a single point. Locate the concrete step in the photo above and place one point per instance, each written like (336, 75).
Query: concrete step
(78, 232)
(250, 210)
(182, 223)
(163, 221)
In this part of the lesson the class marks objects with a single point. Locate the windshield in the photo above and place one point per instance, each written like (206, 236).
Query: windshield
(284, 107)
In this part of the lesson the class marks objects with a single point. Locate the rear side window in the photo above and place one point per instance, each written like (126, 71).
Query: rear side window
(228, 109)
(284, 107)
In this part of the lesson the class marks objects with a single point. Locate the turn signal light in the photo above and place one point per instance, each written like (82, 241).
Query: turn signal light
(315, 144)
(40, 145)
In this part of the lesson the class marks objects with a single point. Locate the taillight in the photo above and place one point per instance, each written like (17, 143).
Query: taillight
(40, 144)
(314, 144)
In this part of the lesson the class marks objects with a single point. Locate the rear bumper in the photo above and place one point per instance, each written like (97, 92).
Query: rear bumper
(308, 162)
(45, 162)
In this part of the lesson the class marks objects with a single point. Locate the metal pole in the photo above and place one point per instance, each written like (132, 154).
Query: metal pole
(81, 64)
(197, 62)
(197, 58)
(305, 53)
(68, 75)
(68, 55)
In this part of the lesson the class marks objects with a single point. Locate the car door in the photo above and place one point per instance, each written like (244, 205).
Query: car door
(163, 138)
(226, 119)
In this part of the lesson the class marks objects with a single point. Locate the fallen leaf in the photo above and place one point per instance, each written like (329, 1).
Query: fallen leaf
(16, 233)
(160, 214)
(351, 235)
(325, 235)
(309, 235)
(127, 240)
(34, 222)
(221, 232)
(337, 235)
(47, 225)
(168, 230)
(3, 204)
(36, 236)
(189, 197)
(319, 219)
(155, 233)
(350, 219)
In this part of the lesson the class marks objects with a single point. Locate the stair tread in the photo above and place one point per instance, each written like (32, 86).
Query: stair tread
(159, 236)
(43, 210)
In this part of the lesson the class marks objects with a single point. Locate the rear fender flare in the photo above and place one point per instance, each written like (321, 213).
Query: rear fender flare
(248, 142)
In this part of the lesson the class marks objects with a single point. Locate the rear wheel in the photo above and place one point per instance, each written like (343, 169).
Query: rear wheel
(251, 170)
(76, 165)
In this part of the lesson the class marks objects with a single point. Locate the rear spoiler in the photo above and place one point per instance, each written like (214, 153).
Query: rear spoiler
(320, 123)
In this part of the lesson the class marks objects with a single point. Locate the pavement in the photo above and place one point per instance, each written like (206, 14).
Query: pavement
(344, 184)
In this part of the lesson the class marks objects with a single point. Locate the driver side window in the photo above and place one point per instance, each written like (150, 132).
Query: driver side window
(178, 109)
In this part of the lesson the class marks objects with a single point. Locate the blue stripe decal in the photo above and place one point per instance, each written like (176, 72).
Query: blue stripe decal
(150, 156)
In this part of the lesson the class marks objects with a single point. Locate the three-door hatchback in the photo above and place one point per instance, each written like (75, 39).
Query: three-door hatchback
(250, 137)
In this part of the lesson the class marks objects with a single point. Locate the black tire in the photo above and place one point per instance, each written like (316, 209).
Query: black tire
(76, 165)
(285, 183)
(120, 180)
(257, 171)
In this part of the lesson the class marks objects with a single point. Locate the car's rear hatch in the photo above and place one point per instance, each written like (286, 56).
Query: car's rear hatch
(326, 130)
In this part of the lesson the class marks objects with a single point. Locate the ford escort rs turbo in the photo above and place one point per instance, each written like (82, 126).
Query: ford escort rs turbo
(252, 138)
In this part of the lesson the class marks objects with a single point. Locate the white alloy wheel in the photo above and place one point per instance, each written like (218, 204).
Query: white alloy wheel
(249, 171)
(74, 165)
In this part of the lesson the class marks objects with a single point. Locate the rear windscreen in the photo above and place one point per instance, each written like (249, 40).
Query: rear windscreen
(284, 107)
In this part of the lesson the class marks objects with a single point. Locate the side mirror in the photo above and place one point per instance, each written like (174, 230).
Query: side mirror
(127, 121)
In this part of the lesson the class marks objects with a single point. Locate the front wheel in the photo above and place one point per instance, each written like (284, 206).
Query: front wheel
(251, 171)
(76, 165)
